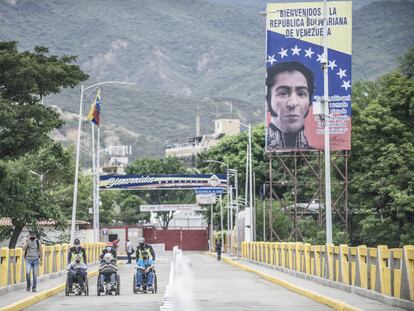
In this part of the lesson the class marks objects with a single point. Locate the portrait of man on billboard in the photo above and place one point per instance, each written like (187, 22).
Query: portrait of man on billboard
(290, 88)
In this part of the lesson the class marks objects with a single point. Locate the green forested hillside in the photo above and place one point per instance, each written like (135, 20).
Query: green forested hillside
(181, 54)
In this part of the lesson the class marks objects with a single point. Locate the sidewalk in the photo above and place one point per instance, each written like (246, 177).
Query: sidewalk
(21, 294)
(43, 285)
(309, 287)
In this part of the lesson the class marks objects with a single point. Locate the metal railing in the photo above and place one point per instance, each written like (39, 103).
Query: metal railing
(386, 271)
(54, 259)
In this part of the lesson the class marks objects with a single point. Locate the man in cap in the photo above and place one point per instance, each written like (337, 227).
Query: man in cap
(76, 249)
(145, 259)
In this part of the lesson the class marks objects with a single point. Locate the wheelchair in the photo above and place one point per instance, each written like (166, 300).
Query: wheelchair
(144, 283)
(107, 286)
(76, 289)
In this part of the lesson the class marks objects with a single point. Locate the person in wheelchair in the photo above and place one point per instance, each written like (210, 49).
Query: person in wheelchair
(77, 273)
(107, 272)
(109, 249)
(145, 271)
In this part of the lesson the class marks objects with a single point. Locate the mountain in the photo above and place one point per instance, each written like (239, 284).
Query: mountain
(181, 55)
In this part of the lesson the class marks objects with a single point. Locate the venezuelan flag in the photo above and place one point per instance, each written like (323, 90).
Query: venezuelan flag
(94, 114)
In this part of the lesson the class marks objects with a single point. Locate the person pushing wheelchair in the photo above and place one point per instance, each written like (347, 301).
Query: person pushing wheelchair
(145, 260)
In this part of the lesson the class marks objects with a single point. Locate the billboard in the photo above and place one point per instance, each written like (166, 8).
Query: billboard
(294, 80)
(164, 181)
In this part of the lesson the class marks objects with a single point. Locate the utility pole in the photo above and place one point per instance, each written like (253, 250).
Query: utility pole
(328, 210)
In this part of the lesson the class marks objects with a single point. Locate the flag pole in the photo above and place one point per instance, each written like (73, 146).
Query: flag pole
(97, 186)
(75, 186)
(93, 182)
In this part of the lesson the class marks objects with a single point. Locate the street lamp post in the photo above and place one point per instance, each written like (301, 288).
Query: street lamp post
(249, 176)
(230, 173)
(41, 177)
(221, 220)
(235, 175)
(75, 187)
(252, 206)
(324, 62)
(228, 197)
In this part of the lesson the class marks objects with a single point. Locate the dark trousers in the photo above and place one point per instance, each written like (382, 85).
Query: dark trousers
(218, 251)
(77, 276)
(129, 257)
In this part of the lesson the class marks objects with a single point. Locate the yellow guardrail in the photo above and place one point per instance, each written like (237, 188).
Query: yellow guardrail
(386, 271)
(54, 259)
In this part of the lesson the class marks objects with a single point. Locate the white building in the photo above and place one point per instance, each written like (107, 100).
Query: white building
(183, 219)
(195, 145)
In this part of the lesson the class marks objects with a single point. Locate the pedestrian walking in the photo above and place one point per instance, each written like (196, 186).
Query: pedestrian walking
(218, 249)
(129, 250)
(32, 253)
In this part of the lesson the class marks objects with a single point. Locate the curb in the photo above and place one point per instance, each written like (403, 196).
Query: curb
(333, 303)
(27, 302)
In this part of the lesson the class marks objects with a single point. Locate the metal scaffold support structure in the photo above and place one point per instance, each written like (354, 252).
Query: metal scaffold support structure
(296, 183)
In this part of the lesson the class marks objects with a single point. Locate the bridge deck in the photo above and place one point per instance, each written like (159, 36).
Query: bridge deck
(214, 286)
(354, 300)
(219, 286)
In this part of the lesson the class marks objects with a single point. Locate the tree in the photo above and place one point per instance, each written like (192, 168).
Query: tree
(25, 124)
(407, 63)
(169, 165)
(63, 195)
(26, 187)
(232, 151)
(25, 78)
(381, 165)
(130, 213)
(23, 128)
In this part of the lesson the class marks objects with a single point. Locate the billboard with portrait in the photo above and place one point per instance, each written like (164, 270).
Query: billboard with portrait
(294, 81)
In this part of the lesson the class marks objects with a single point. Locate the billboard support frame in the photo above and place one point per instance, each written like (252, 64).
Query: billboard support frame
(289, 165)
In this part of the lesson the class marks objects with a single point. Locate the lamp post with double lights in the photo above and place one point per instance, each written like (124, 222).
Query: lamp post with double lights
(41, 177)
(249, 179)
(230, 173)
(221, 211)
(75, 187)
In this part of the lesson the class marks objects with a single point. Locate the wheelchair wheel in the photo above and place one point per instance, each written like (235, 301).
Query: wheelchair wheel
(118, 285)
(134, 285)
(67, 286)
(155, 284)
(98, 292)
(86, 287)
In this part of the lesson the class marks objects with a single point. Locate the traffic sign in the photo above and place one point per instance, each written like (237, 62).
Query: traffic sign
(168, 207)
(206, 190)
(209, 198)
